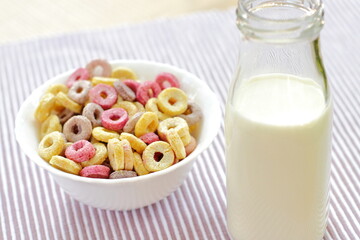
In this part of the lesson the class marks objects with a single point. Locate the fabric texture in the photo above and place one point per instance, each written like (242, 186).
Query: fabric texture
(32, 206)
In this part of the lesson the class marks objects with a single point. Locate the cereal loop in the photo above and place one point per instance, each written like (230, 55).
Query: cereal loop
(133, 85)
(130, 124)
(103, 134)
(166, 159)
(123, 73)
(65, 115)
(45, 106)
(122, 174)
(52, 144)
(80, 151)
(147, 90)
(116, 154)
(64, 100)
(136, 143)
(99, 68)
(95, 171)
(172, 101)
(79, 91)
(65, 165)
(129, 107)
(99, 157)
(139, 107)
(166, 80)
(79, 74)
(56, 88)
(191, 146)
(77, 128)
(128, 155)
(152, 106)
(148, 122)
(139, 166)
(104, 95)
(93, 111)
(179, 124)
(51, 124)
(124, 91)
(114, 119)
(176, 144)
(194, 115)
(150, 138)
(103, 80)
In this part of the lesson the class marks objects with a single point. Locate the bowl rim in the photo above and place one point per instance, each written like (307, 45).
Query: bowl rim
(29, 152)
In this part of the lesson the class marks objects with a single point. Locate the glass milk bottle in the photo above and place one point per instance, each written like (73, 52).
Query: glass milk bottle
(278, 124)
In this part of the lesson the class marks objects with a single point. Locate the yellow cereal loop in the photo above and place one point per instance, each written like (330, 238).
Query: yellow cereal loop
(176, 144)
(173, 101)
(93, 140)
(103, 80)
(116, 154)
(65, 164)
(148, 122)
(136, 143)
(123, 73)
(152, 106)
(139, 106)
(128, 155)
(103, 134)
(139, 166)
(67, 144)
(56, 88)
(129, 107)
(51, 124)
(52, 144)
(64, 100)
(178, 124)
(45, 106)
(152, 164)
(100, 155)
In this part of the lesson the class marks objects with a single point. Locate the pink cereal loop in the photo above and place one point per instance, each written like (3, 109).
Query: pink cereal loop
(79, 74)
(133, 85)
(103, 95)
(143, 93)
(95, 171)
(103, 64)
(80, 151)
(149, 138)
(114, 119)
(166, 80)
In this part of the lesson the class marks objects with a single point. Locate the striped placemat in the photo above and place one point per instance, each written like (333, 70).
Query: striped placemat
(33, 206)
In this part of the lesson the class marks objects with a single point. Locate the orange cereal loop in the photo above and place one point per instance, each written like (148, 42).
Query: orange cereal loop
(176, 144)
(128, 155)
(136, 143)
(116, 154)
(148, 122)
(177, 123)
(51, 124)
(56, 88)
(65, 164)
(64, 100)
(139, 106)
(139, 166)
(167, 159)
(172, 101)
(104, 80)
(104, 135)
(123, 73)
(129, 107)
(100, 155)
(52, 144)
(152, 106)
(45, 107)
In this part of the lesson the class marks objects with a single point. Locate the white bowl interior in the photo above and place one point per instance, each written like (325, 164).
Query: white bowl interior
(27, 128)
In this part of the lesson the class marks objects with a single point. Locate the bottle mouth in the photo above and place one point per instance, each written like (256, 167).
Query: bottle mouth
(280, 20)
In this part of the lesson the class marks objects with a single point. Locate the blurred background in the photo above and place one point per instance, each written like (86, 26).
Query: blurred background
(24, 19)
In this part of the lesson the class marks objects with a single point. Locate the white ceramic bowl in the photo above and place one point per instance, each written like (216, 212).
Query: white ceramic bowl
(128, 193)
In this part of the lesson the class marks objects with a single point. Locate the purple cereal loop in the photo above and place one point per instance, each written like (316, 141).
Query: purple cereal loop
(65, 114)
(79, 91)
(124, 91)
(130, 125)
(103, 64)
(77, 128)
(195, 115)
(93, 112)
(122, 174)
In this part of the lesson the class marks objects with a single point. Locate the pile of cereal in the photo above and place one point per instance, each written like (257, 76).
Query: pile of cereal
(103, 123)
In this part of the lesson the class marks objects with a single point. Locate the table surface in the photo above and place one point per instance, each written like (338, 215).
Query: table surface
(32, 206)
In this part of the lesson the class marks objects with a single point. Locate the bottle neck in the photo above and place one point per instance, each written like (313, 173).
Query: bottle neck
(280, 21)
